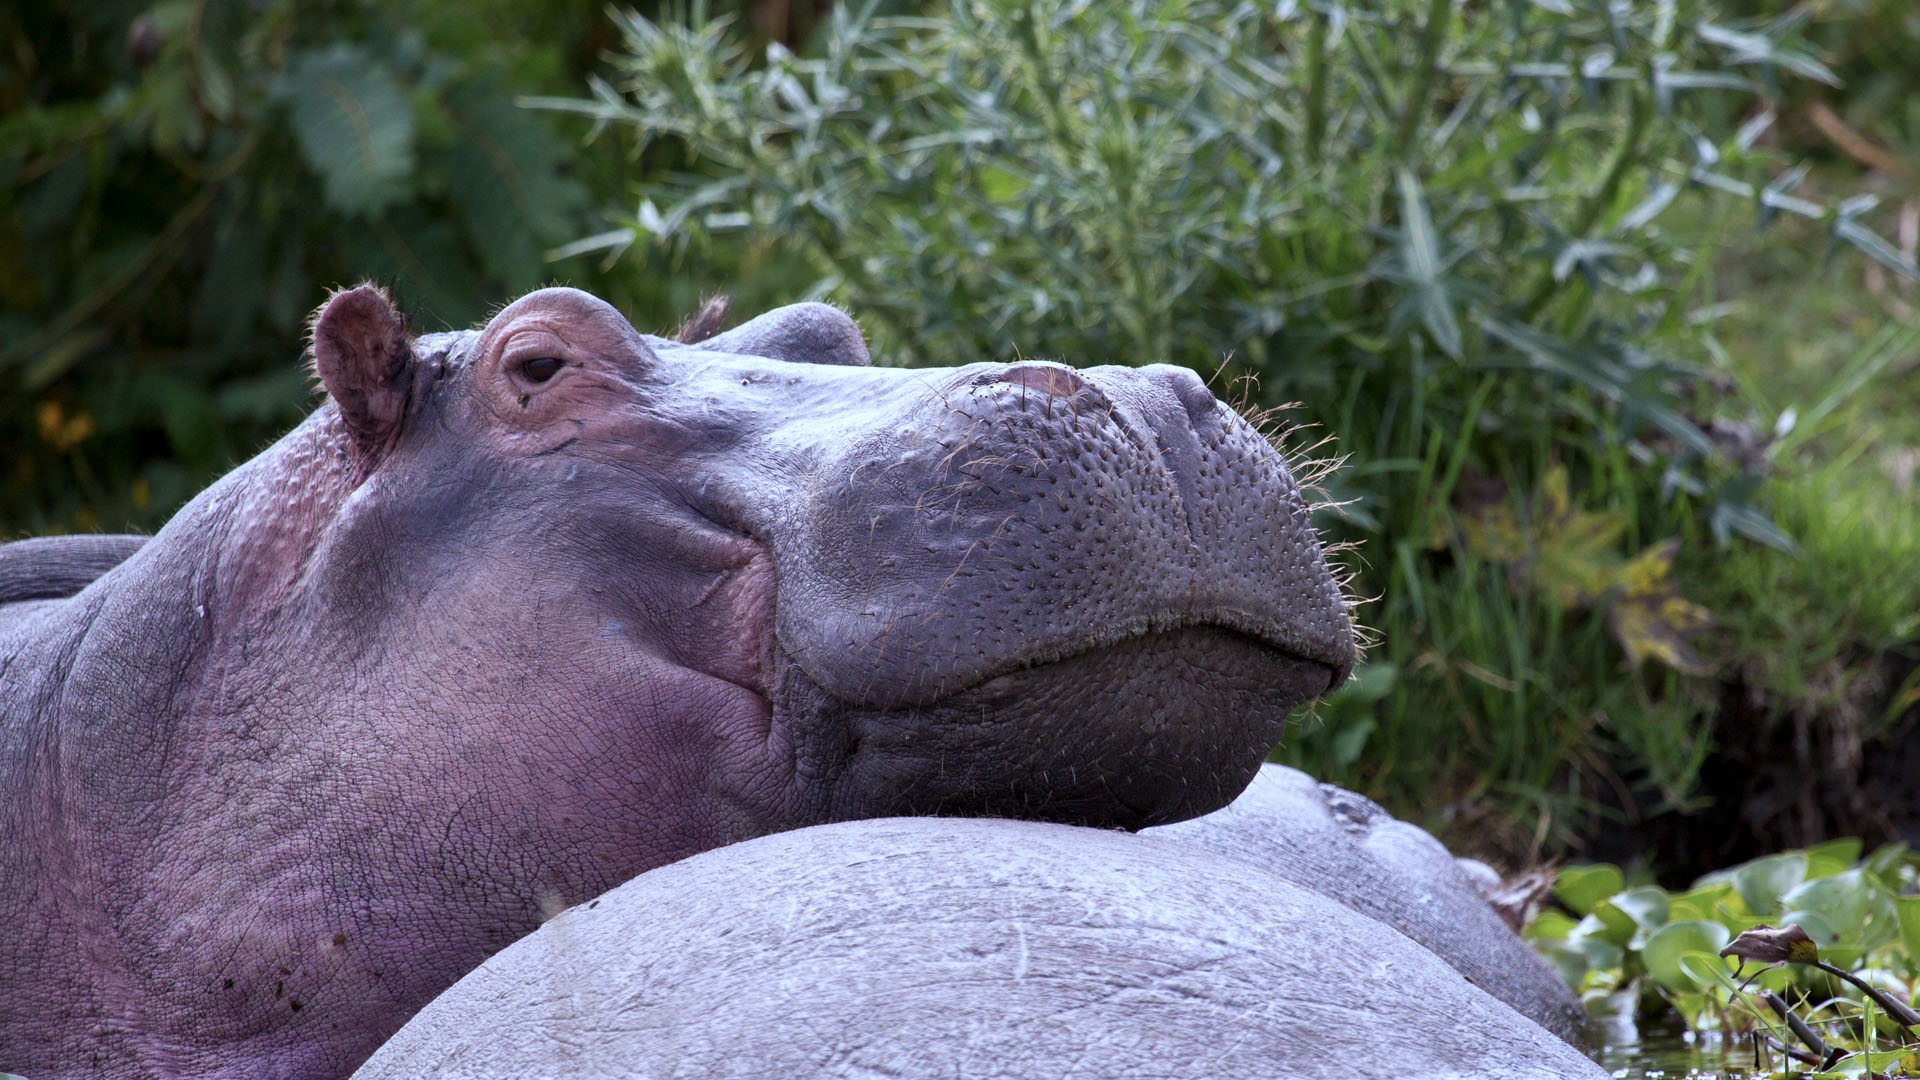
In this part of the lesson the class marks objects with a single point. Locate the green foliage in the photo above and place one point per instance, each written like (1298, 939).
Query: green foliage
(181, 182)
(1449, 229)
(1873, 48)
(1663, 952)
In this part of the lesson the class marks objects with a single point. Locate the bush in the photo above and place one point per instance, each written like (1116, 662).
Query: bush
(1450, 230)
(179, 184)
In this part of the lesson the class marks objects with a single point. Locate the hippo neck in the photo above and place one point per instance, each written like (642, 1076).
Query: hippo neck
(255, 538)
(106, 690)
(146, 639)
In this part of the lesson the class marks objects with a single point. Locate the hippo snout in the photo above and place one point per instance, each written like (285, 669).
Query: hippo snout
(1047, 559)
(1025, 514)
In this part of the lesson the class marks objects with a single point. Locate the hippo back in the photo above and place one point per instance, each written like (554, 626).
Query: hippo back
(48, 567)
(966, 948)
(1344, 846)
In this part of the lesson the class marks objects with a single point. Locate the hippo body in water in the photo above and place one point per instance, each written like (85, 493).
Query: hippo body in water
(971, 949)
(521, 613)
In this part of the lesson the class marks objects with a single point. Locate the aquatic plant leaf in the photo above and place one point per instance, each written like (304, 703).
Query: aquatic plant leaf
(1568, 958)
(1815, 924)
(1666, 946)
(1772, 945)
(1706, 969)
(1700, 902)
(1903, 1062)
(1550, 925)
(1609, 924)
(1907, 911)
(1601, 955)
(1830, 858)
(1583, 887)
(1842, 900)
(1632, 915)
(1763, 882)
(1887, 860)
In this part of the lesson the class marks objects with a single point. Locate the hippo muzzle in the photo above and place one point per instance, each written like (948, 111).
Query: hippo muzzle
(1029, 590)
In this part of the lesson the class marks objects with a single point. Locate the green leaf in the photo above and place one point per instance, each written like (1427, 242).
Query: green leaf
(1600, 955)
(1842, 900)
(1619, 378)
(1830, 858)
(1420, 258)
(505, 177)
(354, 127)
(1705, 969)
(1699, 903)
(1815, 924)
(1630, 916)
(1568, 958)
(1763, 881)
(1351, 740)
(1666, 946)
(1582, 887)
(1754, 48)
(1907, 911)
(1550, 925)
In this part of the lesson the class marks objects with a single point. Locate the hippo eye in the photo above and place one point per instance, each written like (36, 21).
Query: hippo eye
(541, 368)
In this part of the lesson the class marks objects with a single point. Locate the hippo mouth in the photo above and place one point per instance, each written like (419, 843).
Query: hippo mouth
(1209, 637)
(1157, 726)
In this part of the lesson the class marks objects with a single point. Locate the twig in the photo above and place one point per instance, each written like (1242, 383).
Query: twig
(1894, 1007)
(1852, 143)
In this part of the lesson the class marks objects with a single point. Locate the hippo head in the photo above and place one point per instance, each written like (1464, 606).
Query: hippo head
(671, 595)
(522, 612)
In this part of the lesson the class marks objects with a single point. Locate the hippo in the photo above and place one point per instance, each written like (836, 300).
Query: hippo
(522, 612)
(1346, 847)
(970, 949)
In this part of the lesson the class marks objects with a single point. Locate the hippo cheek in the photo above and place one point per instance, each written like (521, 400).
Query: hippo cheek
(632, 760)
(1123, 736)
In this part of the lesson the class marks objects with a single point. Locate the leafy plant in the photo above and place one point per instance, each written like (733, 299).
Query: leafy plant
(181, 181)
(1836, 986)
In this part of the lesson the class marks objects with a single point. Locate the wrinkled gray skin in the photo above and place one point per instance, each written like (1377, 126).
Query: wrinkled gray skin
(1344, 846)
(520, 613)
(972, 950)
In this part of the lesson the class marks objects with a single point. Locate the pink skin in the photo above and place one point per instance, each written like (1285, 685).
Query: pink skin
(486, 636)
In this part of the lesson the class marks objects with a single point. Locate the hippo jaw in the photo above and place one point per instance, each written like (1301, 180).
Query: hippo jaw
(1125, 735)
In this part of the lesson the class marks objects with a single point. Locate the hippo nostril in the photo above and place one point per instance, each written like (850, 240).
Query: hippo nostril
(1061, 382)
(1193, 394)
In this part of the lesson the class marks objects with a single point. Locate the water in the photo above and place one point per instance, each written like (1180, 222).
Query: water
(1663, 1052)
(1670, 1055)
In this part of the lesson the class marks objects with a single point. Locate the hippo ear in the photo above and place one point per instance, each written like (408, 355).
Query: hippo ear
(809, 333)
(365, 360)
